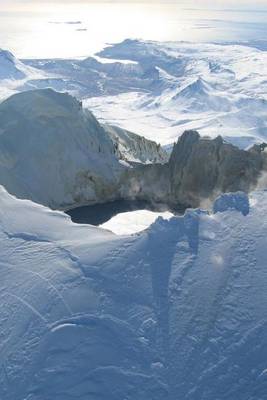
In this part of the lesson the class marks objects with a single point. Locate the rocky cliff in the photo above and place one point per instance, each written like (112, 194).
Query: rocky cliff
(198, 170)
(135, 148)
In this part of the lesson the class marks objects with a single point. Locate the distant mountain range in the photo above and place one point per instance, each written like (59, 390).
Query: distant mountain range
(159, 89)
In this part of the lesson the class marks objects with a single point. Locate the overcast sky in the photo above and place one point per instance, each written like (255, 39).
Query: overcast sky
(44, 5)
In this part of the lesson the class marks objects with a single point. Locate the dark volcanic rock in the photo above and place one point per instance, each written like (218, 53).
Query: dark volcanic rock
(199, 168)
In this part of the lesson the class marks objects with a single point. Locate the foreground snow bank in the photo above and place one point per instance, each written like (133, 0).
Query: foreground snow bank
(178, 310)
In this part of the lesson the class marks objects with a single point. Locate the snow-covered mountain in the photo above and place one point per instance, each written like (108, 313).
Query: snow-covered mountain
(213, 88)
(14, 73)
(10, 67)
(177, 311)
(56, 153)
(161, 89)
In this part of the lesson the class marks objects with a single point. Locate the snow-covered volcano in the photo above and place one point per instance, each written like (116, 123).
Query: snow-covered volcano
(10, 67)
(14, 73)
(178, 310)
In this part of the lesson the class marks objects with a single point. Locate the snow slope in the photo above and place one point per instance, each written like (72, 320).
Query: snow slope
(53, 151)
(12, 68)
(178, 311)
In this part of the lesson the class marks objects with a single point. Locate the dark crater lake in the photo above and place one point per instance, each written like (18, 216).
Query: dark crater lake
(98, 214)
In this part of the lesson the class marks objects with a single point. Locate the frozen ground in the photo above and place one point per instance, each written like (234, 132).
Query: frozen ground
(178, 310)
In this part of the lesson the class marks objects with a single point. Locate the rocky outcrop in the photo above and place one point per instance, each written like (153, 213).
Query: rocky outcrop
(198, 169)
(201, 168)
(134, 148)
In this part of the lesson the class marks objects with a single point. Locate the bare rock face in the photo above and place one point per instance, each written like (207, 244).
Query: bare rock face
(134, 148)
(147, 182)
(198, 169)
(201, 168)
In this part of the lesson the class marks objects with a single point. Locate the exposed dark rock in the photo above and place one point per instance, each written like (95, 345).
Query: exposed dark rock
(201, 168)
(198, 169)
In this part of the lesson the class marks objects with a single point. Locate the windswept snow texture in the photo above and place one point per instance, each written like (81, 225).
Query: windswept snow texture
(178, 311)
(171, 87)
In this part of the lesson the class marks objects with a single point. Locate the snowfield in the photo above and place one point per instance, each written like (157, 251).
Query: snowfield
(160, 89)
(177, 311)
(174, 86)
(213, 88)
